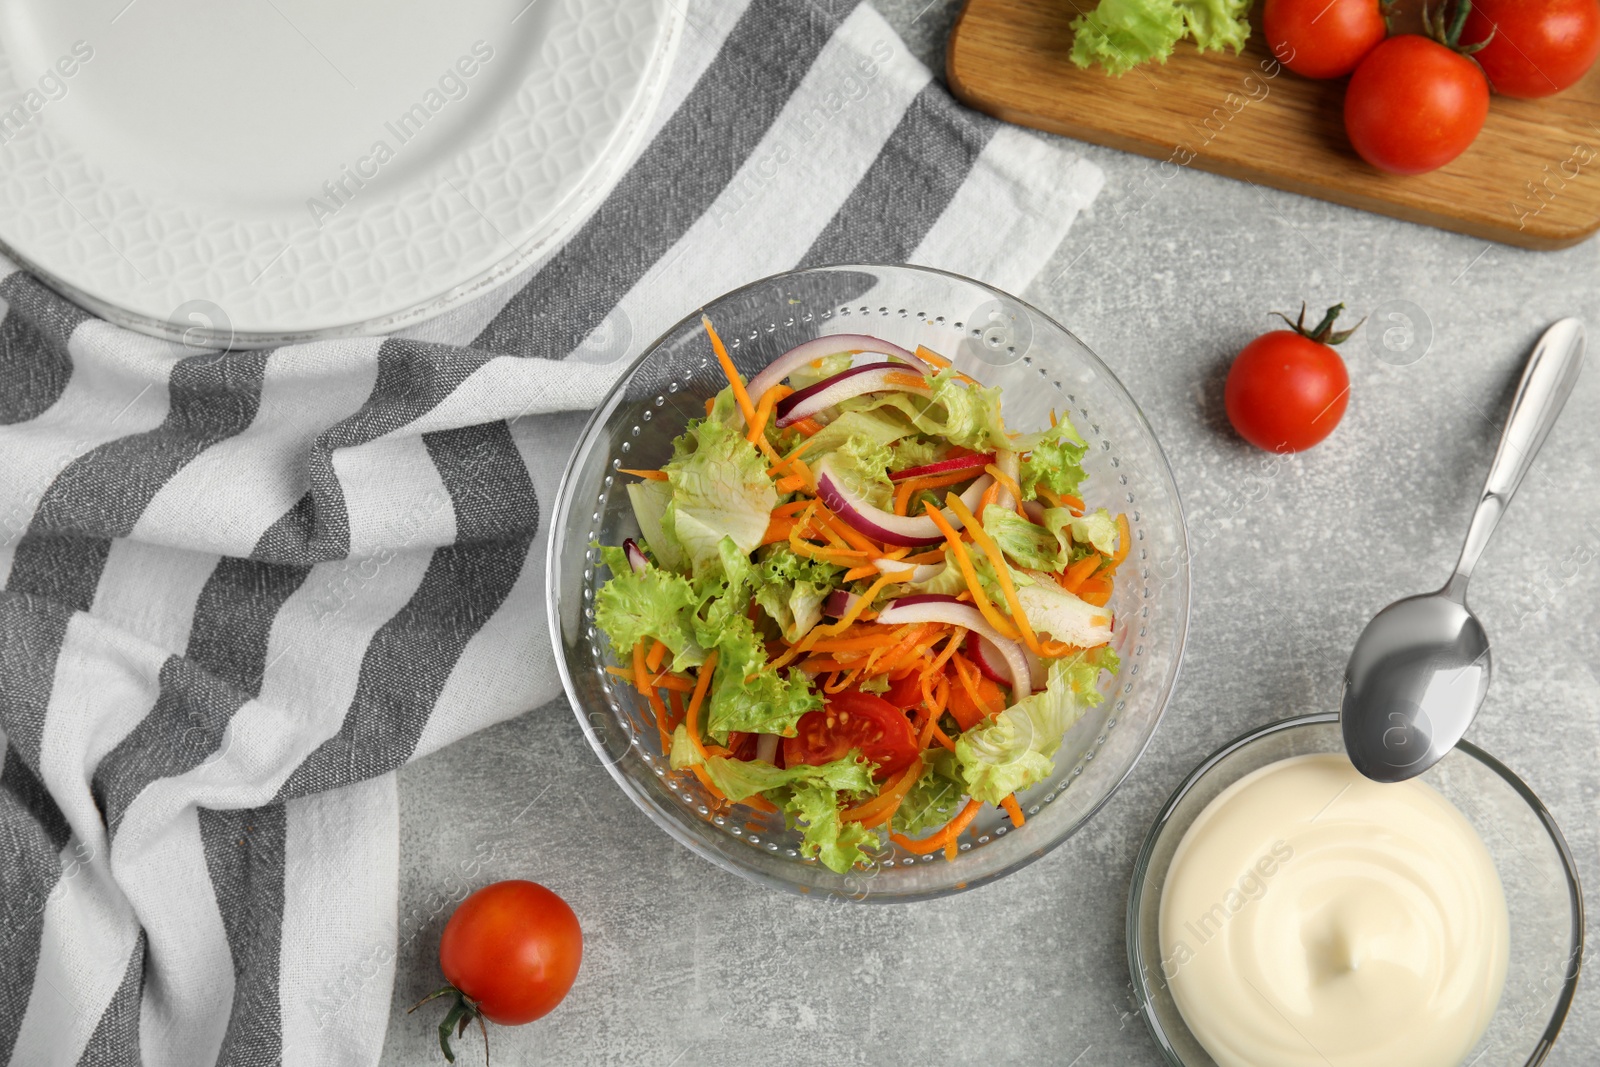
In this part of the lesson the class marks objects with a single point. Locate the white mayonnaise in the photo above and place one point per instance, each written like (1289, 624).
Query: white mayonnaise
(1311, 916)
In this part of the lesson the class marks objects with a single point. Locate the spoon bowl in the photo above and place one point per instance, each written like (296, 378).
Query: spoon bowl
(1417, 666)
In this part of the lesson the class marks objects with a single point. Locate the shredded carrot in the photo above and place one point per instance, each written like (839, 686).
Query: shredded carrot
(758, 427)
(1013, 809)
(1005, 481)
(791, 483)
(979, 597)
(941, 737)
(664, 680)
(740, 396)
(937, 663)
(946, 833)
(654, 476)
(981, 538)
(1079, 572)
(928, 355)
(641, 682)
(1096, 591)
(807, 426)
(908, 644)
(791, 508)
(860, 572)
(692, 716)
(711, 402)
(990, 496)
(778, 529)
(1124, 540)
(653, 658)
(936, 556)
(967, 675)
(705, 780)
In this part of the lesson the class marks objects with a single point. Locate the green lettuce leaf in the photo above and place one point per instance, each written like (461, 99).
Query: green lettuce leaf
(1012, 751)
(1120, 34)
(915, 451)
(745, 694)
(862, 464)
(650, 501)
(884, 427)
(1097, 528)
(654, 603)
(1216, 24)
(957, 412)
(791, 588)
(935, 798)
(1063, 615)
(683, 754)
(809, 798)
(720, 489)
(1024, 543)
(1055, 461)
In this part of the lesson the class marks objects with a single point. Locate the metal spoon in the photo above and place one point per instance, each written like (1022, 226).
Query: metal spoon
(1421, 667)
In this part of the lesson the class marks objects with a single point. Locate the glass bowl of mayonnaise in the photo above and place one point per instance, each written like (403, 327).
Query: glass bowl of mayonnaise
(1286, 911)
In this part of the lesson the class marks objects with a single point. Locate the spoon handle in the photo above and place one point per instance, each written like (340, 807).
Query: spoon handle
(1547, 381)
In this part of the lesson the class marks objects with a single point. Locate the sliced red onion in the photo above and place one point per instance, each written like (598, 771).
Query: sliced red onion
(838, 603)
(838, 344)
(911, 531)
(944, 466)
(1035, 511)
(874, 378)
(636, 556)
(982, 652)
(1009, 464)
(920, 572)
(767, 747)
(936, 607)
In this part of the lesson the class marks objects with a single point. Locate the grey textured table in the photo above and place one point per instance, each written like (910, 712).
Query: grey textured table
(685, 964)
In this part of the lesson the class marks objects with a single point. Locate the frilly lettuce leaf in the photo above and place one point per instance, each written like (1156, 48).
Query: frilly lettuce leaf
(655, 603)
(1012, 751)
(1097, 528)
(650, 501)
(1120, 34)
(1055, 461)
(1217, 24)
(1024, 543)
(810, 799)
(883, 427)
(720, 488)
(915, 451)
(935, 798)
(862, 464)
(1063, 615)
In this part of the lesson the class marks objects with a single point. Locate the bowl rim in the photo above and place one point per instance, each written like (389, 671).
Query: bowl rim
(563, 502)
(1138, 972)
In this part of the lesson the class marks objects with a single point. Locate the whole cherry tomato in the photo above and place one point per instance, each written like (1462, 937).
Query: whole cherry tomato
(1414, 104)
(1288, 389)
(1539, 47)
(510, 952)
(1323, 38)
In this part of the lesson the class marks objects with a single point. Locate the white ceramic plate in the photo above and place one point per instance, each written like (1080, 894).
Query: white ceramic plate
(278, 170)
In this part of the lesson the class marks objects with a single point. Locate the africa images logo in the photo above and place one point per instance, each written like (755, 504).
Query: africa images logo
(50, 87)
(453, 85)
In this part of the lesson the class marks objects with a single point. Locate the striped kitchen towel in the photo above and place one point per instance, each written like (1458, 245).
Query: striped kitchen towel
(241, 589)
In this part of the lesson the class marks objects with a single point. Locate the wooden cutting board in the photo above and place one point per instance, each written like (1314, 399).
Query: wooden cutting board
(1531, 179)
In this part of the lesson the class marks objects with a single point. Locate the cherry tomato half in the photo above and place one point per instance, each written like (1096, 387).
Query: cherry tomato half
(1323, 38)
(853, 719)
(1413, 105)
(905, 693)
(1539, 47)
(513, 948)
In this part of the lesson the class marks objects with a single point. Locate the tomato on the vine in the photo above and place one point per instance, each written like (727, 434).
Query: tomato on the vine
(1323, 38)
(510, 952)
(1415, 103)
(1288, 389)
(1537, 47)
(854, 720)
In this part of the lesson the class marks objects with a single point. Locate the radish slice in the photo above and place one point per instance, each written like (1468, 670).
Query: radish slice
(982, 652)
(767, 748)
(1009, 464)
(876, 378)
(636, 556)
(936, 607)
(920, 572)
(911, 531)
(944, 466)
(839, 603)
(834, 345)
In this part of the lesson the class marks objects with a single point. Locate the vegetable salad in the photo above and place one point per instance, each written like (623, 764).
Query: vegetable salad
(858, 598)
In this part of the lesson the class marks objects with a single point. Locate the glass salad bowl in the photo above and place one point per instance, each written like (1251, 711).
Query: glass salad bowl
(1536, 869)
(995, 338)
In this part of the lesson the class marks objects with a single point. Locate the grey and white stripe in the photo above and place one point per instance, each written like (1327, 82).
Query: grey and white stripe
(241, 589)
